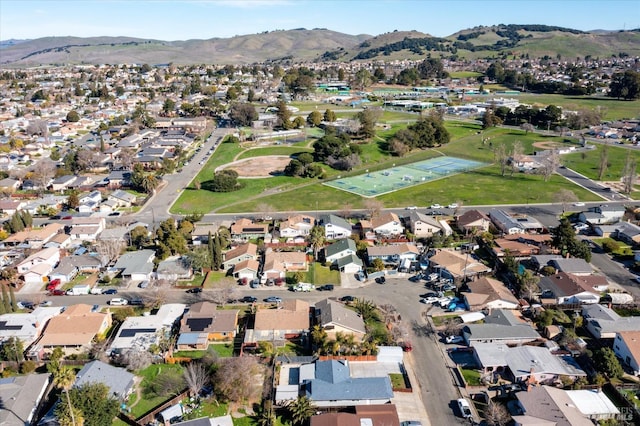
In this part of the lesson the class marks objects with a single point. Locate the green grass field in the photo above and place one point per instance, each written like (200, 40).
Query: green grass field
(588, 163)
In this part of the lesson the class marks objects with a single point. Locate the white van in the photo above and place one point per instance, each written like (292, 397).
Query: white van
(118, 301)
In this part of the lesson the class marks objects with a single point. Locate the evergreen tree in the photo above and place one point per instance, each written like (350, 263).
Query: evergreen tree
(5, 300)
(12, 296)
(210, 246)
(217, 252)
(27, 219)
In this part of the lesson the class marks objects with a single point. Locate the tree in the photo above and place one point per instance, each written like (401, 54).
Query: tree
(527, 127)
(317, 239)
(368, 119)
(42, 175)
(373, 207)
(629, 173)
(565, 196)
(64, 378)
(604, 161)
(489, 119)
(243, 114)
(550, 165)
(234, 378)
(314, 118)
(73, 116)
(12, 349)
(366, 309)
(363, 78)
(284, 115)
(225, 181)
(528, 283)
(199, 258)
(301, 409)
(169, 106)
(625, 85)
(501, 157)
(605, 361)
(149, 183)
(135, 359)
(431, 68)
(497, 414)
(195, 375)
(330, 116)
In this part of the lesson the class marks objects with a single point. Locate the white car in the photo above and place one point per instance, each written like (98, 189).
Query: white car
(454, 339)
(435, 206)
(465, 408)
(578, 204)
(429, 300)
(411, 208)
(118, 301)
(453, 206)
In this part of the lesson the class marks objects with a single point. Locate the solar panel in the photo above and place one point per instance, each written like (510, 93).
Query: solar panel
(199, 324)
(4, 326)
(131, 332)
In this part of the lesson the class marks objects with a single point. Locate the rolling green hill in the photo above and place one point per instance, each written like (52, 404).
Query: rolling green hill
(324, 45)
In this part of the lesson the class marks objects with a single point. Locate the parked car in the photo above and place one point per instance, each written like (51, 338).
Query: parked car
(465, 409)
(435, 206)
(454, 339)
(428, 300)
(110, 291)
(347, 299)
(25, 305)
(195, 290)
(381, 280)
(578, 204)
(326, 287)
(273, 299)
(453, 206)
(411, 208)
(136, 302)
(118, 301)
(95, 290)
(58, 292)
(249, 299)
(46, 303)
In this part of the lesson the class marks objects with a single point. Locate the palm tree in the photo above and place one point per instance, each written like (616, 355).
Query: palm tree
(267, 416)
(149, 183)
(318, 337)
(366, 309)
(317, 239)
(64, 378)
(301, 409)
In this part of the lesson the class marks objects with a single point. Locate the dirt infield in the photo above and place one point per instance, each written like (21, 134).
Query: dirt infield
(258, 167)
(549, 145)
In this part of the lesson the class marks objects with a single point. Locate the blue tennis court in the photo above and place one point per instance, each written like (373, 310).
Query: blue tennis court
(400, 177)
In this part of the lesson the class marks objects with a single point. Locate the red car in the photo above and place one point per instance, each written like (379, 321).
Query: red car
(58, 293)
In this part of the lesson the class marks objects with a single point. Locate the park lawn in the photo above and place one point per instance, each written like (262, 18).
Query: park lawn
(274, 150)
(397, 116)
(587, 163)
(464, 74)
(612, 108)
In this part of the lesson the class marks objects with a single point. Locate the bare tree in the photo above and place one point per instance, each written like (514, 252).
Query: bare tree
(629, 173)
(501, 157)
(550, 165)
(224, 290)
(38, 127)
(527, 127)
(109, 249)
(43, 173)
(87, 159)
(157, 292)
(196, 377)
(604, 162)
(346, 211)
(135, 359)
(126, 158)
(565, 196)
(235, 379)
(497, 414)
(373, 206)
(517, 151)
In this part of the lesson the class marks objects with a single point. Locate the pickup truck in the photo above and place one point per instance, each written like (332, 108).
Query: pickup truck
(304, 287)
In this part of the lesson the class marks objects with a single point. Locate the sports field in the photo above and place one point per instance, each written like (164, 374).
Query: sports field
(400, 177)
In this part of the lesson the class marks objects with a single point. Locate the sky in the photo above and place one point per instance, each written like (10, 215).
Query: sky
(172, 20)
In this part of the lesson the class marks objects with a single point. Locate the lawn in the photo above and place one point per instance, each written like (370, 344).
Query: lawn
(611, 108)
(472, 377)
(145, 404)
(319, 275)
(224, 350)
(464, 74)
(274, 150)
(397, 381)
(587, 163)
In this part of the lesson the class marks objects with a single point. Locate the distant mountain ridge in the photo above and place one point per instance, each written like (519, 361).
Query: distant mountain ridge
(320, 44)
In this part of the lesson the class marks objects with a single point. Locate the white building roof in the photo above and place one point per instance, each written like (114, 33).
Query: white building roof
(592, 402)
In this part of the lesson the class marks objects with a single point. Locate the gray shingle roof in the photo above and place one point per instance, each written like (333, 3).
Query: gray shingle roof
(340, 246)
(336, 313)
(118, 380)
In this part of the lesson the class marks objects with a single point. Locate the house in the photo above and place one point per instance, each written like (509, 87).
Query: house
(277, 264)
(248, 251)
(569, 288)
(423, 226)
(539, 261)
(350, 264)
(473, 221)
(341, 248)
(21, 397)
(335, 318)
(517, 224)
(204, 324)
(456, 264)
(10, 207)
(245, 229)
(136, 265)
(48, 256)
(369, 415)
(122, 198)
(87, 228)
(501, 326)
(93, 197)
(118, 179)
(174, 268)
(70, 266)
(516, 248)
(118, 380)
(489, 293)
(387, 224)
(248, 269)
(626, 346)
(295, 226)
(335, 227)
(603, 322)
(571, 265)
(139, 333)
(329, 384)
(74, 329)
(9, 185)
(549, 405)
(602, 214)
(627, 232)
(393, 253)
(538, 365)
(34, 238)
(201, 232)
(289, 322)
(26, 326)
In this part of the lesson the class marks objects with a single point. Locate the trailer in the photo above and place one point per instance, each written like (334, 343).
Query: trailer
(79, 290)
